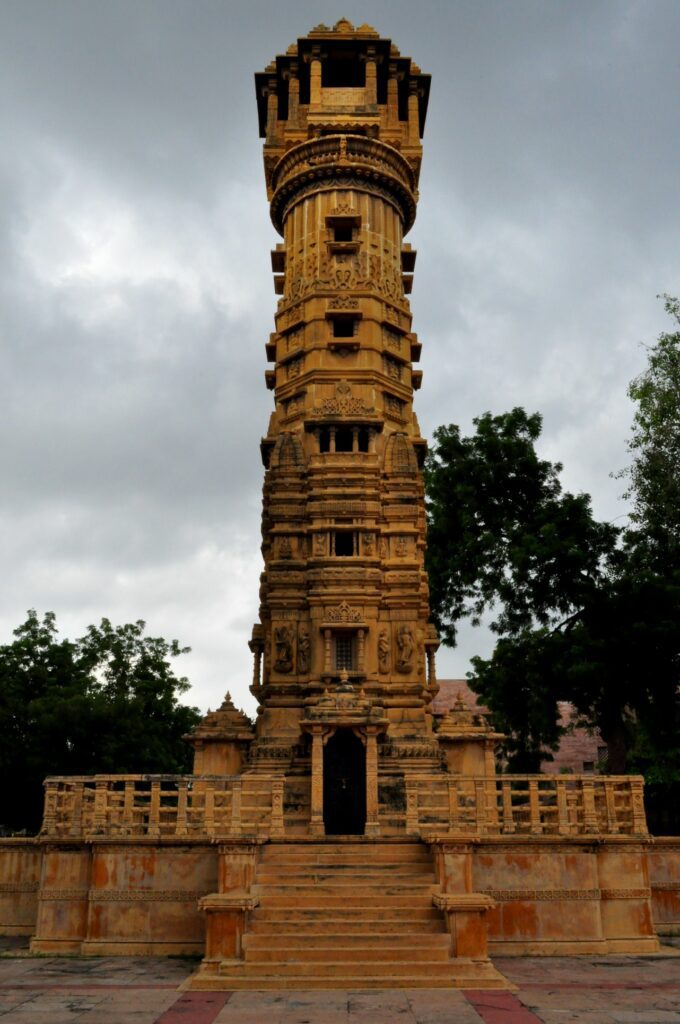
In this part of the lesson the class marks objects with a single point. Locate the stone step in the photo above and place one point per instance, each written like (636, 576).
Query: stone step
(309, 854)
(376, 939)
(472, 979)
(321, 872)
(317, 923)
(348, 947)
(329, 969)
(344, 886)
(312, 953)
(326, 901)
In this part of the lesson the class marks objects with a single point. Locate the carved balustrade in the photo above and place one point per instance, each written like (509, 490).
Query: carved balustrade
(163, 806)
(175, 806)
(541, 805)
(329, 156)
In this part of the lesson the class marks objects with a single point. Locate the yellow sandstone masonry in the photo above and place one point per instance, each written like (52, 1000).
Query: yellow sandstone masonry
(341, 841)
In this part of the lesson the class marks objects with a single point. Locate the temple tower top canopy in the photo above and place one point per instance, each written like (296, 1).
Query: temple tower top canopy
(342, 81)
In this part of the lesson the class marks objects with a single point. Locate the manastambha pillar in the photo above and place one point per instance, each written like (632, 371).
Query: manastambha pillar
(344, 640)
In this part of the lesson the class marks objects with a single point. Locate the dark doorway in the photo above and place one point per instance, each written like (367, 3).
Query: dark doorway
(344, 785)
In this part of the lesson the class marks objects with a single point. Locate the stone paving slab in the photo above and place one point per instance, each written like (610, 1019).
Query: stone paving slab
(140, 990)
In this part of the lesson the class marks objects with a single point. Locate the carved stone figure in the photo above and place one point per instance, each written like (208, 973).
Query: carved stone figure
(319, 544)
(368, 544)
(285, 549)
(383, 651)
(304, 649)
(283, 644)
(405, 649)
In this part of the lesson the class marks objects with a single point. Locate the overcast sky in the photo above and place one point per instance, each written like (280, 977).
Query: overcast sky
(136, 293)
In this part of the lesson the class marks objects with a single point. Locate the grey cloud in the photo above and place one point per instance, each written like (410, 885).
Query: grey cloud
(135, 293)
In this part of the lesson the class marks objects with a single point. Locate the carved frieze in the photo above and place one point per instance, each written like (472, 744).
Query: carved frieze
(344, 613)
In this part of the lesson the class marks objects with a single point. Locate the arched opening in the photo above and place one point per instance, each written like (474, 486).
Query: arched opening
(344, 785)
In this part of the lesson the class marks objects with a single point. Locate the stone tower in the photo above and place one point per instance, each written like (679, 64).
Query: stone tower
(344, 652)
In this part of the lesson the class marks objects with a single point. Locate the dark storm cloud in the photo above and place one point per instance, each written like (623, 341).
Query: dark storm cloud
(136, 297)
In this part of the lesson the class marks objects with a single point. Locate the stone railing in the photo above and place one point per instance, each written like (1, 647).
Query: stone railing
(214, 806)
(335, 149)
(163, 806)
(562, 805)
(354, 154)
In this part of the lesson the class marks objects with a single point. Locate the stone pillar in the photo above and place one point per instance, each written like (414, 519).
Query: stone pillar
(316, 826)
(371, 78)
(413, 114)
(331, 442)
(361, 650)
(327, 638)
(431, 670)
(355, 439)
(315, 81)
(372, 820)
(257, 662)
(293, 95)
(272, 110)
(393, 96)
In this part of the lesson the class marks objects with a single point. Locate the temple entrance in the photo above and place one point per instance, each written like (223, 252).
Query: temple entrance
(344, 784)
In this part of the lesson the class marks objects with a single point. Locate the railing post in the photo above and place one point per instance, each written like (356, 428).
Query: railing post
(209, 808)
(77, 810)
(277, 824)
(534, 809)
(412, 825)
(562, 809)
(100, 800)
(128, 806)
(610, 800)
(454, 815)
(508, 820)
(637, 803)
(589, 812)
(480, 808)
(236, 823)
(181, 819)
(154, 828)
(50, 812)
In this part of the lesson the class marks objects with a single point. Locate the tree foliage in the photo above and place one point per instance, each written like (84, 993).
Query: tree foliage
(584, 612)
(107, 702)
(502, 534)
(654, 473)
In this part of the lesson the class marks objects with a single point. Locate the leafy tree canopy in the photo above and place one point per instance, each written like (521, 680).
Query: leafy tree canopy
(584, 612)
(107, 702)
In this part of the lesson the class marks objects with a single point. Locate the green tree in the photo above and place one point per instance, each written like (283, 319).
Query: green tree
(579, 617)
(502, 534)
(504, 538)
(107, 702)
(655, 449)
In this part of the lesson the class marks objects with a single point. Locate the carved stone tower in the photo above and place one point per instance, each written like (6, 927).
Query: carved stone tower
(344, 652)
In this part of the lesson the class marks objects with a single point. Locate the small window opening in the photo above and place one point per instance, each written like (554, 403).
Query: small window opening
(324, 440)
(343, 71)
(343, 439)
(588, 766)
(344, 653)
(363, 439)
(343, 327)
(343, 543)
(343, 233)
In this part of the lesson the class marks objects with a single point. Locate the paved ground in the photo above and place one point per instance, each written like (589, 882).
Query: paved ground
(555, 990)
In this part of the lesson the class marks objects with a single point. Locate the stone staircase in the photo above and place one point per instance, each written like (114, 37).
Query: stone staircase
(346, 914)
